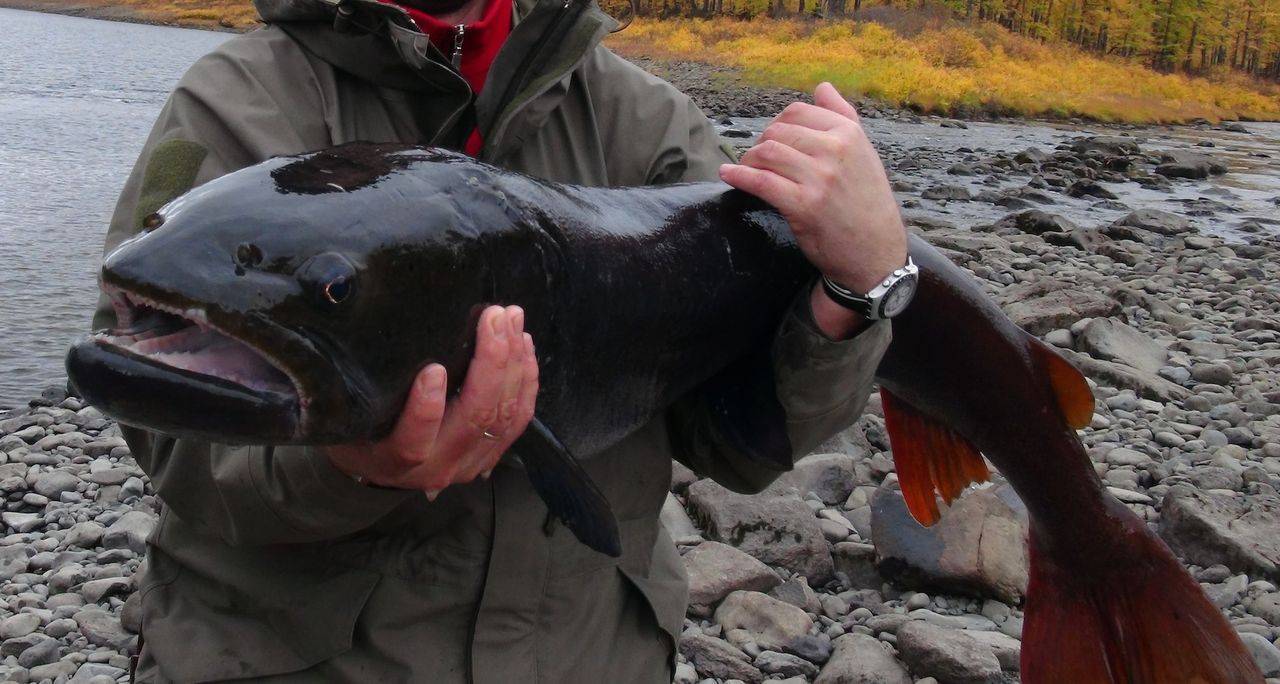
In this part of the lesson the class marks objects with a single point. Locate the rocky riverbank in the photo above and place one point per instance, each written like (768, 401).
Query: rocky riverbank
(824, 577)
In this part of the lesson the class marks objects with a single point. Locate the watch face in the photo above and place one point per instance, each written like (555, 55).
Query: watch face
(898, 297)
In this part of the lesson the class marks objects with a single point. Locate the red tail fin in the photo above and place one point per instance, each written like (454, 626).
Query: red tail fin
(929, 457)
(1143, 620)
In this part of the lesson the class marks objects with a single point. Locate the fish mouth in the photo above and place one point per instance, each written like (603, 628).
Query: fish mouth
(184, 340)
(171, 368)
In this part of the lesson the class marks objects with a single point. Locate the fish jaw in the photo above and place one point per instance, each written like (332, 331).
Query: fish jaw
(192, 370)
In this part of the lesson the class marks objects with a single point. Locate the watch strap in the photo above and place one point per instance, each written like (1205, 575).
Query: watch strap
(848, 298)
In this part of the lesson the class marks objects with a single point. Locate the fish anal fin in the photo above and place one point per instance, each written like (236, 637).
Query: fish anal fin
(567, 490)
(1075, 399)
(931, 459)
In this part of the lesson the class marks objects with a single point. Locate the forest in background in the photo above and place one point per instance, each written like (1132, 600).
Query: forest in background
(1133, 61)
(1193, 36)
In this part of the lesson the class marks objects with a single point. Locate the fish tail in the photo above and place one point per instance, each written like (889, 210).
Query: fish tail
(1143, 620)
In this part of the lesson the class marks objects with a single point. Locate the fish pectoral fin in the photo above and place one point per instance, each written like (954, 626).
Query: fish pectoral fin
(930, 457)
(567, 490)
(1075, 399)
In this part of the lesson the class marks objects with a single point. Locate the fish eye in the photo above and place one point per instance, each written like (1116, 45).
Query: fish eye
(337, 291)
(152, 221)
(330, 276)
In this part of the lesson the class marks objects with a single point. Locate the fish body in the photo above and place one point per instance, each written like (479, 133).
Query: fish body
(295, 300)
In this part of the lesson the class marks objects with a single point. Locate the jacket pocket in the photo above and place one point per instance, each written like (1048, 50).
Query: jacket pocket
(198, 629)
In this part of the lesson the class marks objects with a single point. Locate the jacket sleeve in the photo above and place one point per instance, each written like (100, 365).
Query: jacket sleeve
(822, 384)
(232, 109)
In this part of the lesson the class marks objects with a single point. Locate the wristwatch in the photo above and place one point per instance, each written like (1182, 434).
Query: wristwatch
(887, 299)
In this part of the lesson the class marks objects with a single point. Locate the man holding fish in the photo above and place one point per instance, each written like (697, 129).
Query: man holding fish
(425, 556)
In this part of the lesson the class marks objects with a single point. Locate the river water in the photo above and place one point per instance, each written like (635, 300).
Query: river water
(78, 96)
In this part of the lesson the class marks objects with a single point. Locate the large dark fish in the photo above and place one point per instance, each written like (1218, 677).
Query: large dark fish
(294, 301)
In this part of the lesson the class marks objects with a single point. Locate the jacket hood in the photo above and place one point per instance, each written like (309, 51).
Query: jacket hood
(380, 43)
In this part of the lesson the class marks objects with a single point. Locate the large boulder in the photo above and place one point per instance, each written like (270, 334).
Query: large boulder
(1111, 340)
(1156, 221)
(773, 624)
(716, 570)
(1052, 304)
(948, 655)
(861, 659)
(1120, 376)
(1106, 145)
(957, 193)
(779, 530)
(1241, 532)
(977, 548)
(1188, 164)
(1033, 221)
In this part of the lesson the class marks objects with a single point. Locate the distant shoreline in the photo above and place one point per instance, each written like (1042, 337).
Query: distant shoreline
(89, 10)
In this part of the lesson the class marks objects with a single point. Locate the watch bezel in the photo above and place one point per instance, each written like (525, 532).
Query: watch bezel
(907, 280)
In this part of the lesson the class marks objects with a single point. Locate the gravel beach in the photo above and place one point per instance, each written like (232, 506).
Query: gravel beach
(1177, 327)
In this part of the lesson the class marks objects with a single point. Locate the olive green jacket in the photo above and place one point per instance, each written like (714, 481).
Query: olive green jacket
(270, 563)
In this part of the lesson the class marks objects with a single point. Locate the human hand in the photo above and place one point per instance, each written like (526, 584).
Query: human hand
(815, 164)
(437, 443)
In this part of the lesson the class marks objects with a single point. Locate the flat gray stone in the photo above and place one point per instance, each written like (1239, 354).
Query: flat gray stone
(88, 671)
(714, 657)
(18, 625)
(773, 624)
(1264, 653)
(830, 476)
(948, 655)
(1111, 340)
(94, 591)
(130, 531)
(1050, 304)
(13, 560)
(1239, 532)
(85, 535)
(861, 659)
(785, 664)
(54, 482)
(716, 570)
(1005, 648)
(102, 629)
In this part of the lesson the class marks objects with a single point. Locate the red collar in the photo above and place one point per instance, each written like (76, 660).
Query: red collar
(480, 41)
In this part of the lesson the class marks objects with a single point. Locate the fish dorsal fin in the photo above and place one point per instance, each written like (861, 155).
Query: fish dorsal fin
(567, 490)
(930, 458)
(1075, 399)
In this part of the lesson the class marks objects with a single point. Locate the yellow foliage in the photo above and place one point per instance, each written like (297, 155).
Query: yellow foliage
(949, 70)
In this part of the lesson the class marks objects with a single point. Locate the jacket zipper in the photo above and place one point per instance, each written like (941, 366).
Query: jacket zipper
(459, 33)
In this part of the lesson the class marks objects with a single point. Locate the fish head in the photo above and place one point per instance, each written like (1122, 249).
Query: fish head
(293, 301)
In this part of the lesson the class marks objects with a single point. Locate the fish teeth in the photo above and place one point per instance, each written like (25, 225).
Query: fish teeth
(199, 318)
